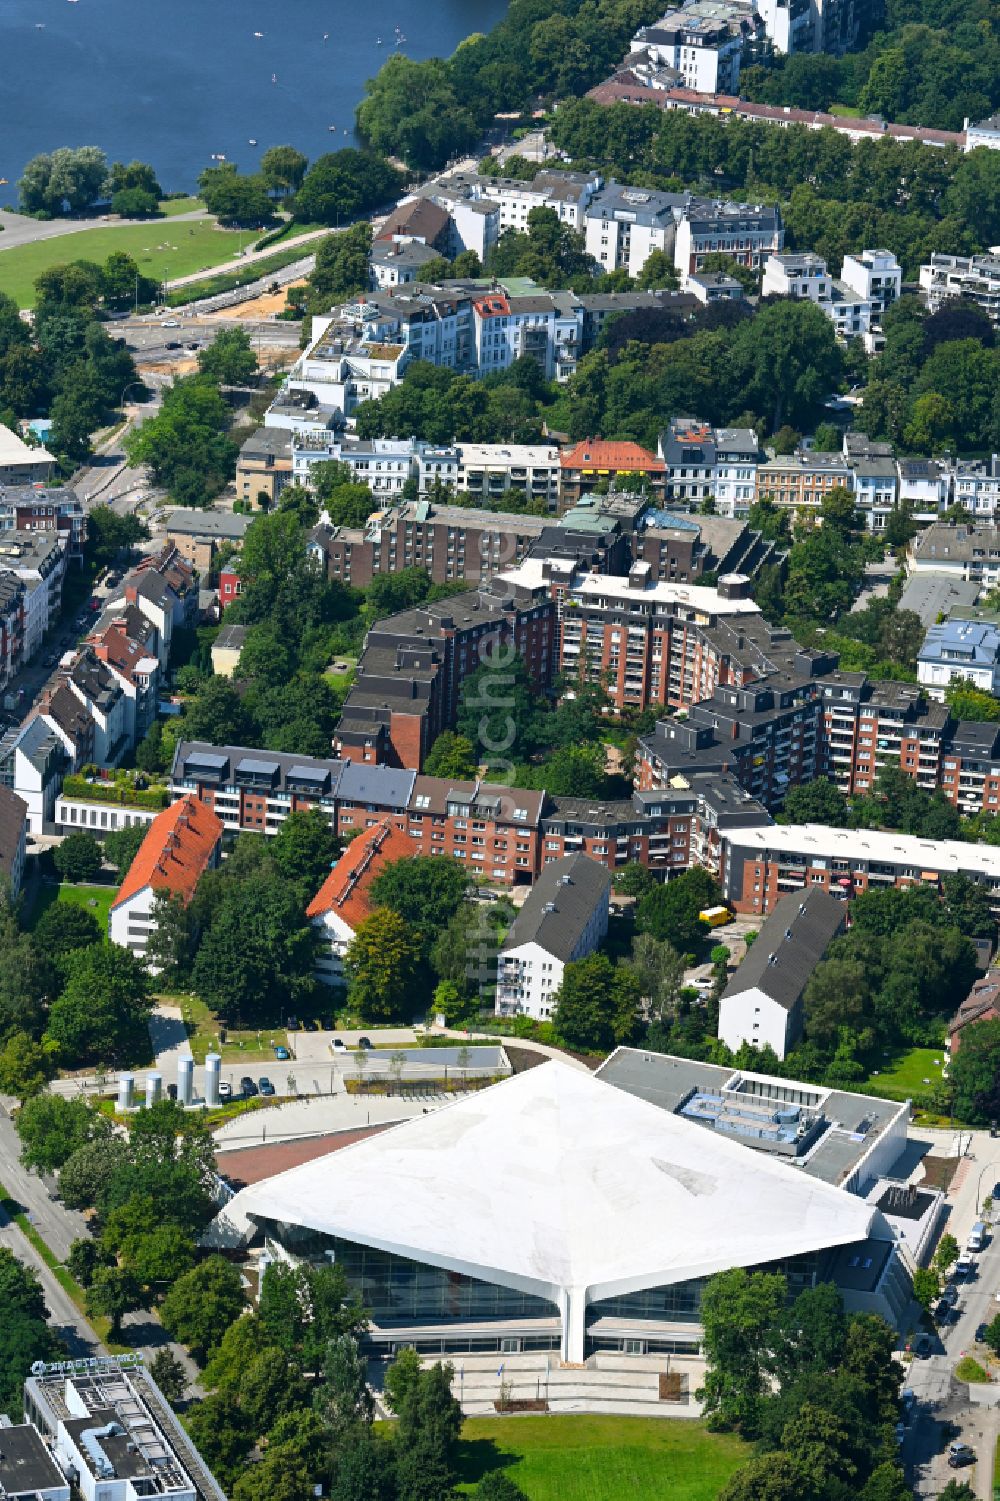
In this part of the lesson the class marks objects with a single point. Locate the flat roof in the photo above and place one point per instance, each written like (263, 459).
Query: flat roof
(940, 855)
(26, 1466)
(592, 587)
(556, 1183)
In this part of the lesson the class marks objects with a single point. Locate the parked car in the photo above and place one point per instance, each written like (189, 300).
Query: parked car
(265, 1086)
(338, 1045)
(364, 1042)
(225, 1090)
(281, 1054)
(922, 1344)
(247, 1087)
(960, 1454)
(51, 659)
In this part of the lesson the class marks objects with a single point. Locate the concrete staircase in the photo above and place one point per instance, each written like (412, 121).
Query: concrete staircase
(606, 1383)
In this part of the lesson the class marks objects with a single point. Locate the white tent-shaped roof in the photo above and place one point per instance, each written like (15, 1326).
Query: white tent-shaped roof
(560, 1185)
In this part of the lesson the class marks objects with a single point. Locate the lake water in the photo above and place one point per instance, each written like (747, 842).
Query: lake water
(175, 81)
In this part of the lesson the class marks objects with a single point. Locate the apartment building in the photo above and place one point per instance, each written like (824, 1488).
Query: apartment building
(623, 225)
(413, 665)
(253, 791)
(566, 193)
(563, 920)
(802, 479)
(976, 278)
(393, 263)
(32, 757)
(977, 487)
(925, 485)
(762, 865)
(198, 535)
(874, 478)
(13, 611)
(486, 471)
(701, 45)
(180, 844)
(737, 453)
(264, 467)
(868, 284)
(749, 233)
(968, 553)
(597, 461)
(54, 509)
(383, 464)
(449, 542)
(38, 560)
(688, 450)
(13, 840)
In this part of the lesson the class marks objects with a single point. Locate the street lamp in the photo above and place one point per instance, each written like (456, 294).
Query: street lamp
(986, 1168)
(128, 388)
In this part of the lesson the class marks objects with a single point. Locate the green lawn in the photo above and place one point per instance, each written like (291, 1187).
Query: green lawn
(846, 111)
(903, 1077)
(564, 1458)
(79, 896)
(172, 206)
(161, 251)
(203, 1035)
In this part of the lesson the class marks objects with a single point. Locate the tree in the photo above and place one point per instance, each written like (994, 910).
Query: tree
(738, 1311)
(343, 185)
(974, 1073)
(957, 1490)
(89, 1171)
(926, 1286)
(110, 535)
(341, 267)
(63, 181)
(229, 359)
(169, 1375)
(85, 1256)
(968, 702)
(428, 1427)
(634, 879)
(121, 847)
(451, 755)
(202, 1304)
(770, 1477)
(497, 1486)
(789, 359)
(597, 1004)
(134, 203)
(257, 955)
(820, 801)
(282, 169)
(101, 1015)
(78, 857)
(401, 1377)
(946, 1254)
(365, 1469)
(222, 1435)
(660, 969)
(26, 1066)
(305, 848)
(51, 1128)
(113, 1292)
(218, 714)
(670, 912)
(344, 1398)
(383, 966)
(24, 1335)
(186, 445)
(424, 890)
(234, 199)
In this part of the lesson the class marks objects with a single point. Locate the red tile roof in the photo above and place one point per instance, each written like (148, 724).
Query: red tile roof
(598, 453)
(176, 851)
(345, 890)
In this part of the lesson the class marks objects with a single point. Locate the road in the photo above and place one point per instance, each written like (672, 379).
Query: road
(941, 1400)
(59, 1227)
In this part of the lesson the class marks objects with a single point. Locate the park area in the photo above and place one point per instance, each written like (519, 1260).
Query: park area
(95, 899)
(600, 1458)
(162, 249)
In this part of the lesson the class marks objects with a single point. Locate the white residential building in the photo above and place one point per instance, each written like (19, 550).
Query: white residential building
(762, 1004)
(564, 919)
(487, 470)
(960, 649)
(977, 487)
(180, 844)
(623, 226)
(975, 277)
(746, 232)
(736, 456)
(702, 42)
(985, 133)
(32, 758)
(566, 193)
(38, 559)
(805, 276)
(342, 902)
(876, 276)
(383, 464)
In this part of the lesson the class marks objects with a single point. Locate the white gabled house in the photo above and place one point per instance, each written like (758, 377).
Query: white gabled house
(564, 918)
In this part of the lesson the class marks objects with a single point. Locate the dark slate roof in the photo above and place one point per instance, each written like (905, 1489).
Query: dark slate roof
(561, 903)
(788, 947)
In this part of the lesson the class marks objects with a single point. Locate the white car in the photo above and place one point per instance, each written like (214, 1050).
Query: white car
(170, 323)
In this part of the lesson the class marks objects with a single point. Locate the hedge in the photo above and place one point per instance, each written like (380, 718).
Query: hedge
(120, 793)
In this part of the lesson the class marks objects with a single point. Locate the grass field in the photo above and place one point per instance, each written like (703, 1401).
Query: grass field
(172, 206)
(903, 1077)
(203, 1035)
(79, 896)
(161, 251)
(563, 1458)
